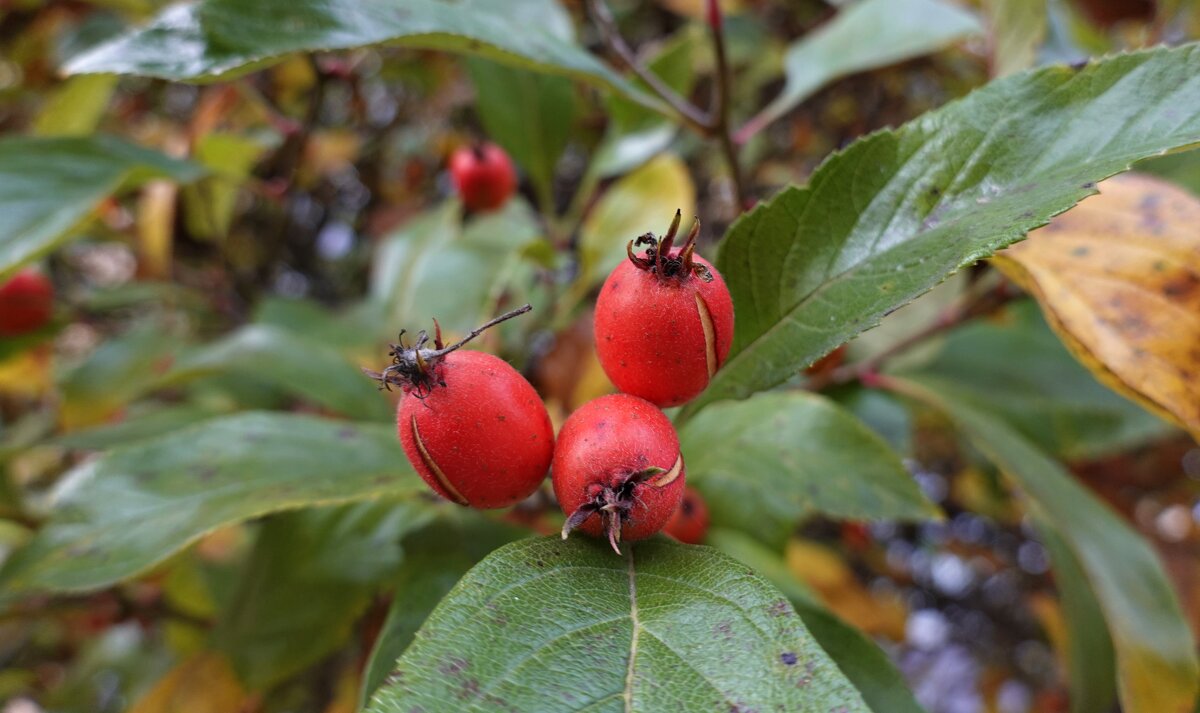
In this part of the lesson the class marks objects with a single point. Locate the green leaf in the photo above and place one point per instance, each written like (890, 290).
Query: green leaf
(898, 211)
(433, 268)
(48, 186)
(124, 512)
(864, 663)
(866, 35)
(1156, 655)
(1090, 664)
(306, 582)
(1018, 28)
(76, 107)
(274, 356)
(1045, 394)
(436, 557)
(766, 463)
(149, 423)
(529, 114)
(220, 38)
(548, 625)
(118, 371)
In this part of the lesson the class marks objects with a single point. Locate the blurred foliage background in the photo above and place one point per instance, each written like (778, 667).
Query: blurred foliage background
(324, 222)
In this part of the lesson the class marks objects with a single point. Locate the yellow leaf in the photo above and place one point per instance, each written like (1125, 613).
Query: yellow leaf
(26, 374)
(1119, 279)
(204, 683)
(643, 201)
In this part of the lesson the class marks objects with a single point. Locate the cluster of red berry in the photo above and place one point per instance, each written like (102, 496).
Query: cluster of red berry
(479, 435)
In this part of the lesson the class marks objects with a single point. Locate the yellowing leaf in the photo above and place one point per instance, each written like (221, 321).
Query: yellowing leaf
(643, 201)
(1119, 279)
(204, 683)
(26, 374)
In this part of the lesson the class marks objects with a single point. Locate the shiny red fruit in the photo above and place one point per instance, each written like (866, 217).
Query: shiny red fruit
(483, 438)
(690, 522)
(664, 321)
(472, 427)
(617, 469)
(26, 303)
(483, 176)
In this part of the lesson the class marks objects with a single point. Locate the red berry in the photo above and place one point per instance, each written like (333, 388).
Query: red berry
(471, 425)
(26, 303)
(664, 321)
(617, 469)
(690, 522)
(484, 176)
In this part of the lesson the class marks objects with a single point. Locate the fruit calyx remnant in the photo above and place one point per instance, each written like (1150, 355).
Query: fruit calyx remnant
(615, 503)
(659, 260)
(414, 368)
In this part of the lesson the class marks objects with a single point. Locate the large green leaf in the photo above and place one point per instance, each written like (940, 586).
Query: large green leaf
(864, 663)
(436, 557)
(766, 463)
(307, 580)
(866, 35)
(291, 363)
(1156, 655)
(1020, 371)
(75, 107)
(133, 507)
(48, 186)
(219, 38)
(898, 211)
(548, 625)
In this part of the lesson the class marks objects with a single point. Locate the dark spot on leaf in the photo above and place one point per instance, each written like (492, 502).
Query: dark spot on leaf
(1079, 64)
(347, 434)
(780, 608)
(1090, 185)
(788, 658)
(469, 689)
(453, 666)
(394, 678)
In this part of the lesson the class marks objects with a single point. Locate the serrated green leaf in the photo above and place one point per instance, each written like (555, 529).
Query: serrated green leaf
(275, 356)
(1045, 394)
(766, 463)
(48, 186)
(868, 668)
(547, 625)
(1157, 669)
(898, 211)
(866, 35)
(131, 508)
(220, 38)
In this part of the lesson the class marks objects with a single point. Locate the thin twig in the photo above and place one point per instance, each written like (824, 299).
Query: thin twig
(687, 111)
(721, 104)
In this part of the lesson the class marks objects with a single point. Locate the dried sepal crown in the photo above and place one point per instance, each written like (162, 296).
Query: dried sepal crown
(414, 367)
(658, 259)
